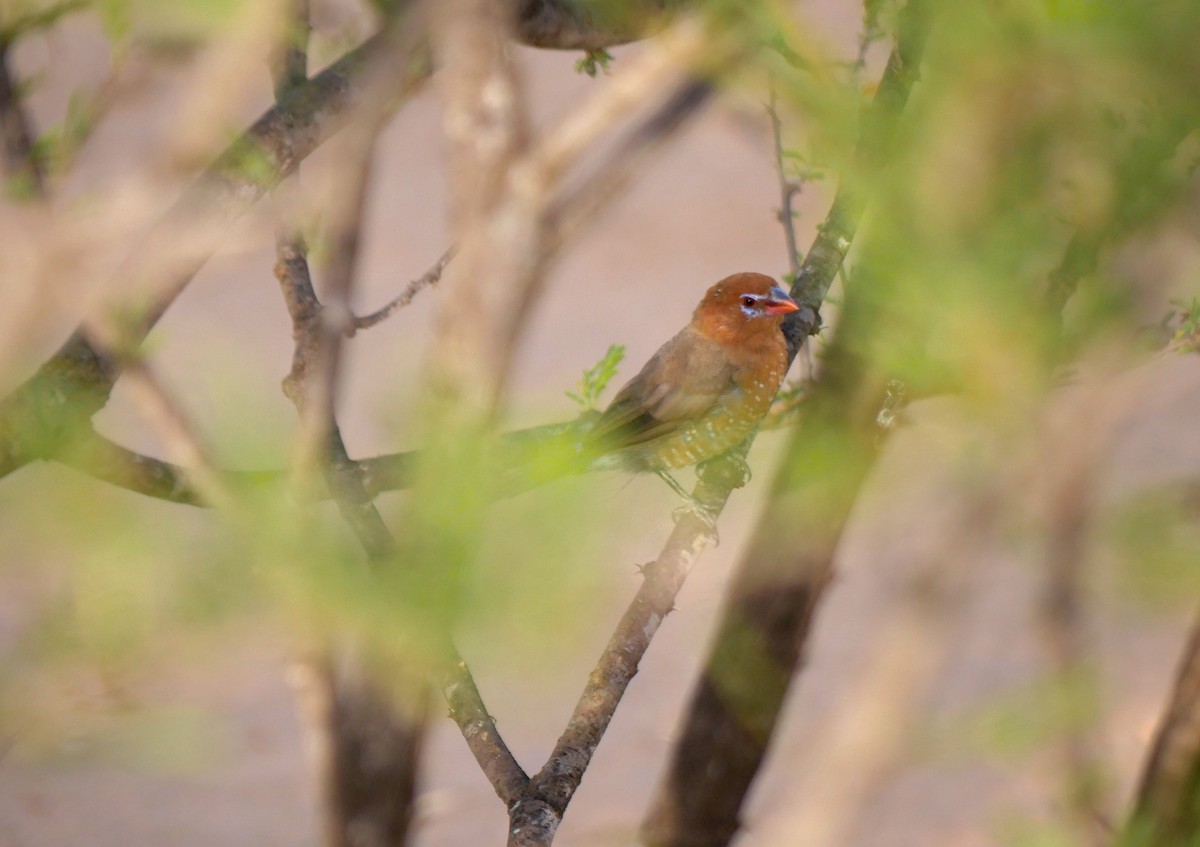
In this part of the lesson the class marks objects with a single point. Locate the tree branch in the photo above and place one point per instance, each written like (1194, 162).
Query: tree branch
(535, 819)
(42, 415)
(16, 133)
(370, 749)
(1073, 449)
(1167, 808)
(783, 575)
(430, 278)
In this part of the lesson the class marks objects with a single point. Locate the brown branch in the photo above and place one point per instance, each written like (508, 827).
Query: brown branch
(1073, 449)
(370, 750)
(786, 216)
(415, 287)
(782, 577)
(16, 133)
(466, 708)
(369, 764)
(319, 330)
(39, 418)
(535, 819)
(1166, 810)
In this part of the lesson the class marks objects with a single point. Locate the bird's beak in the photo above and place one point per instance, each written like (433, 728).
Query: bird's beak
(779, 303)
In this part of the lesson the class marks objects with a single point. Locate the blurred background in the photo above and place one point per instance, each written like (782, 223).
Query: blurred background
(145, 661)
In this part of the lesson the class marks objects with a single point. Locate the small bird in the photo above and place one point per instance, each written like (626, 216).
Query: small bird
(706, 389)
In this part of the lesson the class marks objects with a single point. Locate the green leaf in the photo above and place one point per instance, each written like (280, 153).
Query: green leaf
(592, 61)
(596, 378)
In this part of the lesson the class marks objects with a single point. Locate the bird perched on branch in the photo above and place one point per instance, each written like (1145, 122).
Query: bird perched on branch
(706, 389)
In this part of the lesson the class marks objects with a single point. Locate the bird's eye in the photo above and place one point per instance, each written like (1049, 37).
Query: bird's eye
(748, 302)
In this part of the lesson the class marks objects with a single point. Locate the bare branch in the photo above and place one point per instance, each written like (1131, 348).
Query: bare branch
(479, 729)
(41, 416)
(370, 750)
(426, 280)
(535, 819)
(1165, 810)
(16, 133)
(787, 189)
(786, 214)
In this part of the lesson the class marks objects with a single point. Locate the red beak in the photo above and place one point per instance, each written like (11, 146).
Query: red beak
(780, 303)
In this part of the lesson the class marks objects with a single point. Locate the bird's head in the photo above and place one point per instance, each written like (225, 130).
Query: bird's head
(742, 305)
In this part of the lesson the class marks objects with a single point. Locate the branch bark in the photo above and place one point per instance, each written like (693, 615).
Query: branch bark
(782, 577)
(1167, 807)
(16, 132)
(369, 749)
(42, 415)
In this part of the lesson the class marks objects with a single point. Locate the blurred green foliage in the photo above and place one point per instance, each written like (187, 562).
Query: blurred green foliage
(596, 378)
(167, 26)
(1034, 122)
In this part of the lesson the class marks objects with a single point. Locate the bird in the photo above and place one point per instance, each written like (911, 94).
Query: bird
(706, 389)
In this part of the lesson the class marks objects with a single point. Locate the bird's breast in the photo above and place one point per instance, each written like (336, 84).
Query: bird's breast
(724, 426)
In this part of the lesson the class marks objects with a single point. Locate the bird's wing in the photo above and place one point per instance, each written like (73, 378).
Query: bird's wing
(682, 381)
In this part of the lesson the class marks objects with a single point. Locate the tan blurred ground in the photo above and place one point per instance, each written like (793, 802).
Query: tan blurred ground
(705, 210)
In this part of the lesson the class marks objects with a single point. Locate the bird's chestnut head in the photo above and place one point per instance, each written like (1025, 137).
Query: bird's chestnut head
(742, 305)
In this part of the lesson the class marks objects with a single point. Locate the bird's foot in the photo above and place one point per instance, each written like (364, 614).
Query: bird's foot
(674, 484)
(702, 514)
(730, 471)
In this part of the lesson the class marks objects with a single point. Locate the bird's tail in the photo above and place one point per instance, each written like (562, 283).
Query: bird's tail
(533, 458)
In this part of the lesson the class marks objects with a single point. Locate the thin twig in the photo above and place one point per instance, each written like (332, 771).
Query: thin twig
(788, 189)
(415, 287)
